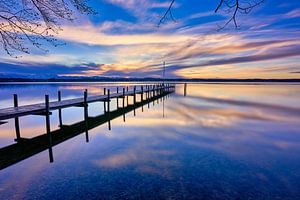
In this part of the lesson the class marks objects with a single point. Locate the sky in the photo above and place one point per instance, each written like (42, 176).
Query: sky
(123, 40)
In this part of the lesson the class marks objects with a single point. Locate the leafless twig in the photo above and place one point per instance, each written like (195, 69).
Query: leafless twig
(231, 7)
(25, 23)
(168, 14)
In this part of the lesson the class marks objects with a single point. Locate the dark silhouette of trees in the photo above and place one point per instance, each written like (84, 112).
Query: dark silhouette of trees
(32, 22)
(230, 7)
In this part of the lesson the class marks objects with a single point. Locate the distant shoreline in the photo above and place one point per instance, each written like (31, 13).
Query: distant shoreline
(93, 80)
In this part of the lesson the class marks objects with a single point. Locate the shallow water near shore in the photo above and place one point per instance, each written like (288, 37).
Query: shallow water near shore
(219, 141)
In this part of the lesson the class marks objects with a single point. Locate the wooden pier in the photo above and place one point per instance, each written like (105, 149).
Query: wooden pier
(40, 108)
(26, 147)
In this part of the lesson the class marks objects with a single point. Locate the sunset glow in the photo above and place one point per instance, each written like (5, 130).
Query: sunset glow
(123, 40)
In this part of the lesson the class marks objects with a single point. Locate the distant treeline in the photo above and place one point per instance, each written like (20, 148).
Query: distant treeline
(143, 80)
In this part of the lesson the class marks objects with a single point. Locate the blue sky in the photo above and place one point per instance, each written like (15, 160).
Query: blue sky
(123, 40)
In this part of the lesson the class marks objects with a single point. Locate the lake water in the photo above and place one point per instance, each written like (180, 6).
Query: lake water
(220, 141)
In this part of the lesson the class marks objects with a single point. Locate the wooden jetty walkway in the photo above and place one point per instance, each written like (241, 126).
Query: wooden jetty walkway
(41, 108)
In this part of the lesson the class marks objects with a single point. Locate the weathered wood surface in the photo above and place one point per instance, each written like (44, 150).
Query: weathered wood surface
(13, 112)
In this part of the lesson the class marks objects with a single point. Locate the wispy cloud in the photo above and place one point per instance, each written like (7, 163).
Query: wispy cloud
(140, 8)
(293, 14)
(191, 46)
(276, 53)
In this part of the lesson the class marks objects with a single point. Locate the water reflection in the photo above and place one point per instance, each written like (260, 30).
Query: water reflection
(217, 142)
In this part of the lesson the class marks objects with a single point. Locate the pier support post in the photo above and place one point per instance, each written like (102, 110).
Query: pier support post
(185, 89)
(59, 110)
(148, 99)
(108, 108)
(17, 124)
(123, 104)
(48, 128)
(134, 95)
(117, 98)
(142, 97)
(153, 90)
(147, 92)
(134, 99)
(161, 91)
(86, 115)
(127, 98)
(104, 102)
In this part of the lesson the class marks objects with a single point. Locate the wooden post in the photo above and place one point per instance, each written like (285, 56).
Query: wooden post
(148, 95)
(59, 110)
(104, 102)
(163, 108)
(17, 124)
(153, 88)
(142, 98)
(127, 89)
(185, 89)
(134, 99)
(142, 95)
(86, 115)
(117, 97)
(108, 108)
(153, 94)
(123, 104)
(148, 99)
(151, 91)
(158, 96)
(161, 91)
(47, 110)
(147, 92)
(134, 94)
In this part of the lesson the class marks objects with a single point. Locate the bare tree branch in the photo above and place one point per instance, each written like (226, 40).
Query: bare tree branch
(231, 7)
(25, 23)
(167, 14)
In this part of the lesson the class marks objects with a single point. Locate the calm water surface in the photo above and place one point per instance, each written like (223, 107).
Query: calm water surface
(221, 141)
